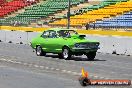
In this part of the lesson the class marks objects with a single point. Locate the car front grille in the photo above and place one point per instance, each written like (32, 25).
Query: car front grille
(87, 45)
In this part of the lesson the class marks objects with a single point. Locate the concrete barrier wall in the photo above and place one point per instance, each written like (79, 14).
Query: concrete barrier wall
(83, 31)
(108, 44)
(17, 36)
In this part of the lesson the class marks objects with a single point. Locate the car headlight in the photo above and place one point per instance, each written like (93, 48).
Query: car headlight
(97, 44)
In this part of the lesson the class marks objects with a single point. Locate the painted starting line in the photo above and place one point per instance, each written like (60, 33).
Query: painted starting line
(49, 68)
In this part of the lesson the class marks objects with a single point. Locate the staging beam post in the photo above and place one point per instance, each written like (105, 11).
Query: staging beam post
(68, 14)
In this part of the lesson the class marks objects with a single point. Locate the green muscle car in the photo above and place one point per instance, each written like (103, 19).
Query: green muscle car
(65, 43)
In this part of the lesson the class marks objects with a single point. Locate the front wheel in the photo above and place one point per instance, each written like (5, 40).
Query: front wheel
(66, 53)
(91, 56)
(39, 51)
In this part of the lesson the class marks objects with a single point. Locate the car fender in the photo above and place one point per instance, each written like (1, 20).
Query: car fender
(67, 46)
(37, 45)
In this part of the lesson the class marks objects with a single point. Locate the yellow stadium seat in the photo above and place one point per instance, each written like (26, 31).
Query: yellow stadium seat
(100, 14)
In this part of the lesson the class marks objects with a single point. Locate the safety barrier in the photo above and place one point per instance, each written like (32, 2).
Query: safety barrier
(111, 44)
(106, 32)
(26, 29)
(81, 31)
(17, 36)
(110, 41)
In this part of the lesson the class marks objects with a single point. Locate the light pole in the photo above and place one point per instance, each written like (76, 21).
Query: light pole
(68, 15)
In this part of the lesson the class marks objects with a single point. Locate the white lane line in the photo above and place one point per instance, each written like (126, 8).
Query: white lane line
(68, 71)
(25, 63)
(36, 66)
(8, 60)
(74, 73)
(63, 70)
(52, 68)
(11, 61)
(96, 76)
(106, 78)
(14, 61)
(78, 73)
(102, 77)
(57, 69)
(91, 76)
(3, 59)
(46, 67)
(18, 62)
(41, 67)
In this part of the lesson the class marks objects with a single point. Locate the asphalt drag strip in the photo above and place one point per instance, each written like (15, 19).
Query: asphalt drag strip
(105, 66)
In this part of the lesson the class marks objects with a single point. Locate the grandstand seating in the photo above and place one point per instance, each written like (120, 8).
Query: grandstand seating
(96, 12)
(12, 6)
(122, 21)
(32, 14)
(2, 1)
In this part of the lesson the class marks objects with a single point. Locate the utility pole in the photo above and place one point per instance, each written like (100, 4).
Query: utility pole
(68, 15)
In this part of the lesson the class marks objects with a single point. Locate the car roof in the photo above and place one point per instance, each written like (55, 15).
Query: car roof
(58, 29)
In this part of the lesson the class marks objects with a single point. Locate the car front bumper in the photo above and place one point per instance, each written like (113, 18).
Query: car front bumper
(84, 50)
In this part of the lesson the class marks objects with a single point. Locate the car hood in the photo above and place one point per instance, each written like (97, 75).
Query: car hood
(81, 39)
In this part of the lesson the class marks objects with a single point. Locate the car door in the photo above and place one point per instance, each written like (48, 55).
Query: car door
(44, 41)
(54, 43)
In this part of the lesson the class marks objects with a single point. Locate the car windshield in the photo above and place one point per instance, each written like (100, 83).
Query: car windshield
(66, 33)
